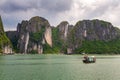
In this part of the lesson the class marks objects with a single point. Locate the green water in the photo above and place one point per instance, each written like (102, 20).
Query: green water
(58, 67)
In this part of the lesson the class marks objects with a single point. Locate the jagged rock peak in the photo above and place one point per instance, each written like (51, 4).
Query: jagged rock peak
(63, 29)
(36, 23)
(22, 26)
(33, 34)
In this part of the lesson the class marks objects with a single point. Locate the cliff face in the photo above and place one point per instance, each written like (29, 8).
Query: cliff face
(48, 36)
(33, 34)
(13, 37)
(5, 44)
(91, 30)
(61, 35)
(95, 30)
(90, 36)
(64, 29)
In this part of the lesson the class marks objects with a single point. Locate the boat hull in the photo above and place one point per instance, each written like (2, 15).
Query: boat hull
(86, 61)
(89, 60)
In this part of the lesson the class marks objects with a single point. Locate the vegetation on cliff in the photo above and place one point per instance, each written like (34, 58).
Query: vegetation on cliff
(57, 42)
(99, 47)
(3, 38)
(94, 36)
(37, 36)
(89, 36)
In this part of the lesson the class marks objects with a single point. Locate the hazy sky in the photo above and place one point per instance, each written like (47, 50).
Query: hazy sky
(55, 11)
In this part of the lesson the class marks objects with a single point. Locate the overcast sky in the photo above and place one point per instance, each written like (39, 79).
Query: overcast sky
(55, 11)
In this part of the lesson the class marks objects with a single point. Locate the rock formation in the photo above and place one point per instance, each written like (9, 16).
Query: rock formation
(62, 35)
(91, 30)
(64, 29)
(95, 30)
(91, 36)
(13, 37)
(33, 34)
(48, 36)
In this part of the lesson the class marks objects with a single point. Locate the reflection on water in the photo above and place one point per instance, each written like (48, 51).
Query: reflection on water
(58, 67)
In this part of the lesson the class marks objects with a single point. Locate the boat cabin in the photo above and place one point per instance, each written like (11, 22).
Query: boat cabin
(90, 59)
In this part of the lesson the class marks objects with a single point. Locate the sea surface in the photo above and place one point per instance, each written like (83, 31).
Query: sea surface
(58, 67)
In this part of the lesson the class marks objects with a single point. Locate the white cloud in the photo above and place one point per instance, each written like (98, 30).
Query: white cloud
(14, 11)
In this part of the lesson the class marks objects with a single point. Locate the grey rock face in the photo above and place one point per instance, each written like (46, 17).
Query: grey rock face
(91, 30)
(22, 31)
(36, 23)
(32, 33)
(64, 29)
(95, 30)
(33, 46)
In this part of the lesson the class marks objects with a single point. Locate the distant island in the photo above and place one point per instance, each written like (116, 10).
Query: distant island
(37, 36)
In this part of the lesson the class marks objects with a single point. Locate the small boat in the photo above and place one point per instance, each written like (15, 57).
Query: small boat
(91, 59)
